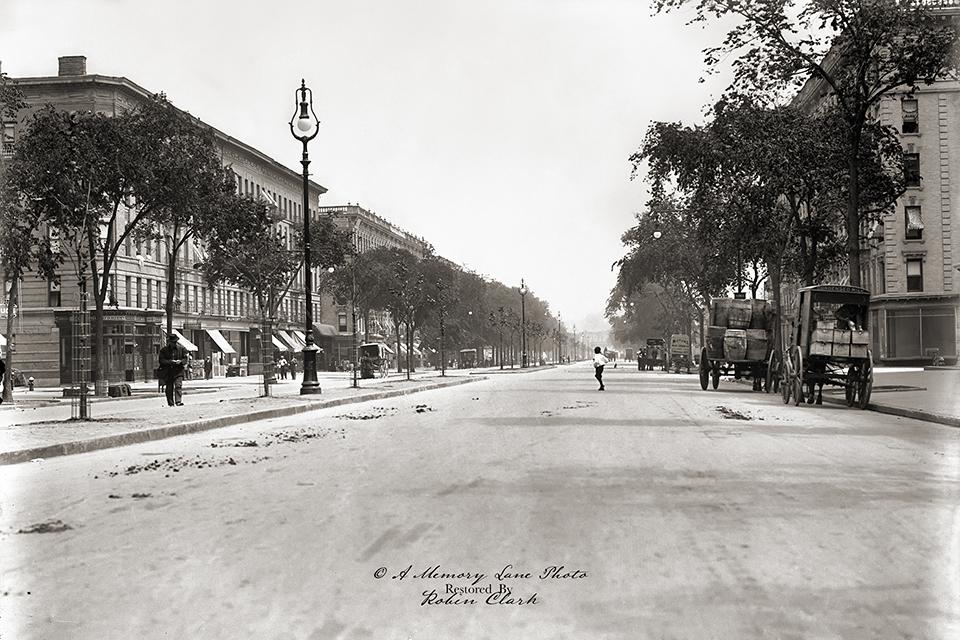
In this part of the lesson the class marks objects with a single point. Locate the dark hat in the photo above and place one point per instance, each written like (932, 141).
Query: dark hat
(172, 338)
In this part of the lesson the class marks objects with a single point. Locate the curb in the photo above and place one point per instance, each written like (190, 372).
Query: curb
(915, 414)
(160, 433)
(498, 372)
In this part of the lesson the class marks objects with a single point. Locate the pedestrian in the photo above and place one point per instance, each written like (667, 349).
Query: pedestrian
(293, 367)
(3, 371)
(284, 367)
(598, 361)
(172, 360)
(208, 367)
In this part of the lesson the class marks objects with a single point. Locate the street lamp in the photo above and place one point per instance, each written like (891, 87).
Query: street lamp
(304, 126)
(523, 325)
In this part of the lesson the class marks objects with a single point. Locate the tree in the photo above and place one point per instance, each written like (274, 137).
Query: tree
(19, 228)
(859, 51)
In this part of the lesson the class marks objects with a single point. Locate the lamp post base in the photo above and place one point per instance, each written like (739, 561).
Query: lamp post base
(310, 384)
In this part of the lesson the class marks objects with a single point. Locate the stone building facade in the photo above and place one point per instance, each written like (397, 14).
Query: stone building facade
(910, 260)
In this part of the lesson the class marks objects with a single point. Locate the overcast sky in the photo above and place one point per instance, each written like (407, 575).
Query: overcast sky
(499, 130)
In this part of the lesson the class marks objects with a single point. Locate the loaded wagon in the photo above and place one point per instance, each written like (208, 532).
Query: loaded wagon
(740, 343)
(680, 352)
(374, 360)
(829, 345)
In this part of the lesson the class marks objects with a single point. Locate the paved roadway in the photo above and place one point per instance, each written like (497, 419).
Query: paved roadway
(670, 520)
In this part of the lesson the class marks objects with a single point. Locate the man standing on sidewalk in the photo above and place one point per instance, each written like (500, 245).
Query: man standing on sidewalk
(172, 358)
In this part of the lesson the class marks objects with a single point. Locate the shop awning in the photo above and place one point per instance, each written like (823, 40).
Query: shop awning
(186, 344)
(301, 336)
(290, 340)
(3, 341)
(324, 330)
(278, 344)
(222, 343)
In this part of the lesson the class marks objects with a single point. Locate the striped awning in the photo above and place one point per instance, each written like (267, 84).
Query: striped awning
(278, 344)
(186, 344)
(301, 336)
(290, 340)
(221, 342)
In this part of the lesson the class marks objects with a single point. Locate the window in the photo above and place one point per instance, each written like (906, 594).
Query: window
(911, 169)
(149, 293)
(342, 321)
(909, 107)
(914, 274)
(128, 299)
(913, 223)
(7, 139)
(53, 297)
(139, 293)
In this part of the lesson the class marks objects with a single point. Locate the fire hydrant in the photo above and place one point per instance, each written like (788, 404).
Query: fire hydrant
(30, 383)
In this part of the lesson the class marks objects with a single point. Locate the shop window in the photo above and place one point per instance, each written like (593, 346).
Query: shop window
(915, 275)
(911, 169)
(910, 123)
(914, 223)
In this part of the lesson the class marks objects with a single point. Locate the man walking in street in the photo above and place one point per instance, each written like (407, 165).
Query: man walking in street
(599, 360)
(172, 358)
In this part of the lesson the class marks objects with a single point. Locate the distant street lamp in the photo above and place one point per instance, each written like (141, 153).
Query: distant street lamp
(304, 126)
(523, 325)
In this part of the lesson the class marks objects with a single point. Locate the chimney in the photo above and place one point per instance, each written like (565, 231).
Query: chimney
(73, 65)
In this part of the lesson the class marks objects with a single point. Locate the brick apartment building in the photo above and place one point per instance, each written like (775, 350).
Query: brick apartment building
(222, 322)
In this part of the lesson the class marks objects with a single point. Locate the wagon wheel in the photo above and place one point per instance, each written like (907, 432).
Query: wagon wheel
(715, 375)
(851, 384)
(772, 379)
(786, 385)
(797, 376)
(865, 386)
(704, 370)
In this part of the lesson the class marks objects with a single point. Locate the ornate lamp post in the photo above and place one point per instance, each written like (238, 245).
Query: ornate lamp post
(523, 325)
(304, 125)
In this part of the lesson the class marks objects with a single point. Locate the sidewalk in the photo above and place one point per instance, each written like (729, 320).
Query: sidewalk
(925, 394)
(39, 425)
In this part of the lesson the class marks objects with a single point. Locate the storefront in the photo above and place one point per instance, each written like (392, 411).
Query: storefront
(132, 341)
(915, 330)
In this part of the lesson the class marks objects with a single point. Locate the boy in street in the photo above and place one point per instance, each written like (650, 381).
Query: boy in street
(172, 359)
(599, 360)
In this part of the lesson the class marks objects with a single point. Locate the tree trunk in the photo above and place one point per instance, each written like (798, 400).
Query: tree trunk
(12, 299)
(774, 270)
(171, 285)
(853, 209)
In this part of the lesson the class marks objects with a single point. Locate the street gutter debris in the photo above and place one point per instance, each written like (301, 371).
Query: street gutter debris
(422, 408)
(51, 526)
(732, 414)
(378, 412)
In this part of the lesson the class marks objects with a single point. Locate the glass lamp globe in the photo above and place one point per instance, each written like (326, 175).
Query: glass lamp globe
(304, 124)
(657, 234)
